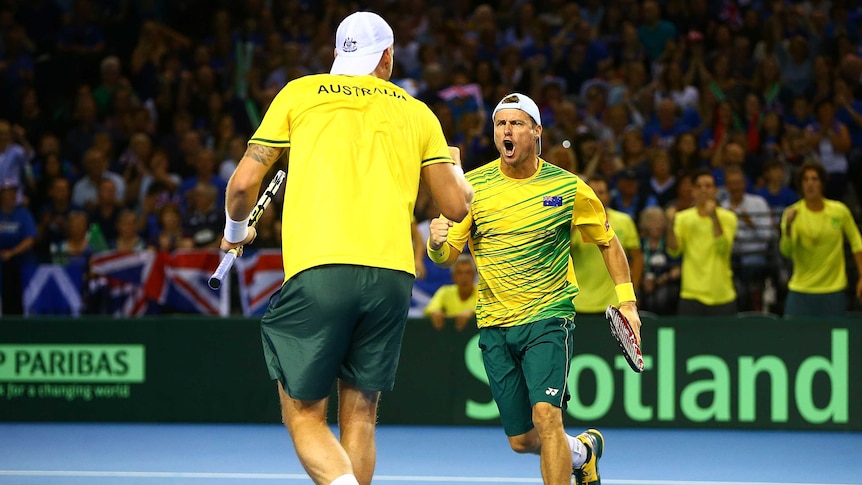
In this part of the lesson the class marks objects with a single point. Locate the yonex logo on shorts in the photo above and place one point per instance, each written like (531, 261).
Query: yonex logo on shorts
(551, 391)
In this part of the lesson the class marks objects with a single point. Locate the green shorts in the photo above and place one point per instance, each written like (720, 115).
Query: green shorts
(339, 321)
(527, 364)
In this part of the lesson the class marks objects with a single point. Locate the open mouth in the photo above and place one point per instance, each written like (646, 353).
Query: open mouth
(508, 148)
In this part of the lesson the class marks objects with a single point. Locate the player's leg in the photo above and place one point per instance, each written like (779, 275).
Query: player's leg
(306, 335)
(547, 352)
(509, 390)
(372, 360)
(357, 418)
(320, 453)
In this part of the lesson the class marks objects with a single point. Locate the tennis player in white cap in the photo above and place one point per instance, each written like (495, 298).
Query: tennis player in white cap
(358, 148)
(519, 229)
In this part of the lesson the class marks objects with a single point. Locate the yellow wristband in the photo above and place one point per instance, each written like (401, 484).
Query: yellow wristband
(625, 292)
(439, 256)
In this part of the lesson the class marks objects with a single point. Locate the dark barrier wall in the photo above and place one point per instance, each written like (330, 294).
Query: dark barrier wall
(711, 373)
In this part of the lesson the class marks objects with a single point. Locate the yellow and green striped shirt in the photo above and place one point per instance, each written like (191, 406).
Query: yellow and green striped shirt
(519, 231)
(357, 145)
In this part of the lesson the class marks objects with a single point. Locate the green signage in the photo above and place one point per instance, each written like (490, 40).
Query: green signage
(72, 363)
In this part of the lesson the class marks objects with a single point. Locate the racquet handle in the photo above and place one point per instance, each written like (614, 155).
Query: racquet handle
(223, 267)
(227, 261)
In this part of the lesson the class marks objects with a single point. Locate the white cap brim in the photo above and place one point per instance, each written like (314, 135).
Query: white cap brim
(356, 65)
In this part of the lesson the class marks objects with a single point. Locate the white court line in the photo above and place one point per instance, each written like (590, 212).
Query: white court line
(382, 478)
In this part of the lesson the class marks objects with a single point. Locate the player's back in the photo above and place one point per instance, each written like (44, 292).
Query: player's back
(357, 144)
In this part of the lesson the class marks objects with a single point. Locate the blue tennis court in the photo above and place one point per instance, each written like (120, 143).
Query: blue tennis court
(147, 454)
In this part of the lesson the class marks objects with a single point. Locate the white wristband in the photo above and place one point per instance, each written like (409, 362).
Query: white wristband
(459, 170)
(234, 231)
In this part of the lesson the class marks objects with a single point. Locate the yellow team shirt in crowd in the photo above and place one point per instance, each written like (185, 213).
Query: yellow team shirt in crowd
(706, 273)
(597, 288)
(447, 300)
(815, 246)
(519, 231)
(357, 145)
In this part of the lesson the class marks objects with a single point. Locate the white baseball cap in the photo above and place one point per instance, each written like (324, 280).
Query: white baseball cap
(523, 103)
(360, 40)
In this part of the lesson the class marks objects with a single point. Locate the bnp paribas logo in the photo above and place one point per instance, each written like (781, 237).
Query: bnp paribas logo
(349, 45)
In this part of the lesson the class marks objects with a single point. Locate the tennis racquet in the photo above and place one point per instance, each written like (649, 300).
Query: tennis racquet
(227, 261)
(622, 330)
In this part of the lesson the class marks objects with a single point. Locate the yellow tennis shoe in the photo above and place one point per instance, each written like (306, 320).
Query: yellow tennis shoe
(588, 473)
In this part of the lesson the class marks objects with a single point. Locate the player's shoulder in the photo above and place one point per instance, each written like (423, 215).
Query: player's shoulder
(836, 206)
(490, 170)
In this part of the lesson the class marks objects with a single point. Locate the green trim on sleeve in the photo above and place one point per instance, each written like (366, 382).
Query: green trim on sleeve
(264, 141)
(434, 160)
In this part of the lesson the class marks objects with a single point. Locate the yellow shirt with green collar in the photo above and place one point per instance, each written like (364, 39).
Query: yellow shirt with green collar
(519, 232)
(816, 246)
(597, 288)
(706, 273)
(357, 145)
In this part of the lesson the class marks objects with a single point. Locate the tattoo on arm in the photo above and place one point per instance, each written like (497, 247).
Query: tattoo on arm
(263, 155)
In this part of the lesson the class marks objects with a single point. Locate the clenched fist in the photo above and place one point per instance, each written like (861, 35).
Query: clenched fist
(438, 232)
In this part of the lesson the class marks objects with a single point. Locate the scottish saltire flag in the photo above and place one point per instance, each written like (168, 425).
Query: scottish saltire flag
(185, 285)
(51, 289)
(260, 275)
(126, 280)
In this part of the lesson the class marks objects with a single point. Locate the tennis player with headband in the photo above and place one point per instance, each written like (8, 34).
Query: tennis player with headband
(519, 230)
(358, 147)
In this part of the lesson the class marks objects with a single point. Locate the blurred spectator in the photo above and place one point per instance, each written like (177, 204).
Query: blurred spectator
(74, 248)
(662, 182)
(595, 284)
(775, 191)
(269, 228)
(662, 132)
(128, 239)
(86, 190)
(205, 173)
(754, 234)
(655, 34)
(54, 216)
(703, 235)
(631, 196)
(684, 154)
(204, 219)
(832, 140)
(17, 237)
(170, 234)
(813, 232)
(659, 291)
(563, 157)
(13, 158)
(106, 209)
(458, 300)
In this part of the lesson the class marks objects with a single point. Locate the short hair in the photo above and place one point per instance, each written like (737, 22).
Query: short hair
(702, 172)
(809, 166)
(463, 259)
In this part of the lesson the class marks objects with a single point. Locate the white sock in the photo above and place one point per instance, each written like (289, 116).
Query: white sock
(579, 451)
(345, 480)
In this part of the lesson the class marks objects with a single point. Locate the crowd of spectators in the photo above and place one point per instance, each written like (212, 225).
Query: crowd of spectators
(121, 120)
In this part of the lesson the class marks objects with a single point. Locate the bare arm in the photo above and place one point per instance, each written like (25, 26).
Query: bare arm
(449, 189)
(244, 185)
(618, 267)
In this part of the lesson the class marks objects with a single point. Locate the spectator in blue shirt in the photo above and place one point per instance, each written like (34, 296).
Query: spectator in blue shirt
(17, 237)
(655, 33)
